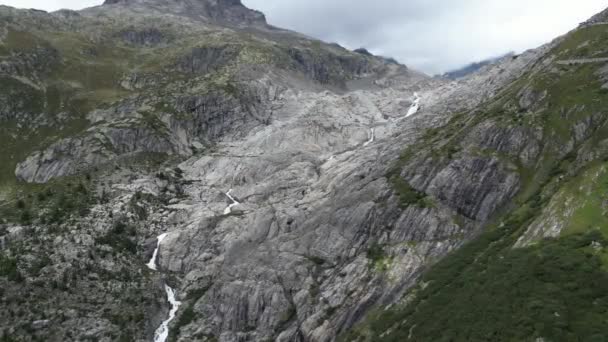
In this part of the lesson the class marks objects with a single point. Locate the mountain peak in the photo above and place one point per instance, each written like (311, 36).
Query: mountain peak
(231, 11)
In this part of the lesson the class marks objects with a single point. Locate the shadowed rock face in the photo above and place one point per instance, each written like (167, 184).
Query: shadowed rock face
(144, 37)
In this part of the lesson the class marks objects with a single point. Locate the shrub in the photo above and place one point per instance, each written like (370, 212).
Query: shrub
(375, 253)
(120, 237)
(408, 195)
(179, 173)
(187, 316)
(8, 268)
(317, 260)
(41, 197)
(25, 217)
(20, 204)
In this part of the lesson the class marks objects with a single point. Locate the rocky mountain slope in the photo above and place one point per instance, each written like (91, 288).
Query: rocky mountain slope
(474, 67)
(537, 273)
(183, 170)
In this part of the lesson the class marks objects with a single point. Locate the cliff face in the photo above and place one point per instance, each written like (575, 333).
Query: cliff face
(300, 185)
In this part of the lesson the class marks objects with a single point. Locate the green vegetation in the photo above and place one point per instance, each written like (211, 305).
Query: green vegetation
(68, 81)
(52, 203)
(126, 317)
(319, 261)
(555, 290)
(378, 259)
(22, 41)
(408, 195)
(580, 202)
(8, 268)
(73, 83)
(75, 74)
(120, 237)
(585, 42)
(441, 145)
(186, 316)
(197, 294)
(375, 253)
(568, 96)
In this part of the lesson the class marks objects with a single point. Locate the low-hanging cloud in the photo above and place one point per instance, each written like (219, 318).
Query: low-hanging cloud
(430, 35)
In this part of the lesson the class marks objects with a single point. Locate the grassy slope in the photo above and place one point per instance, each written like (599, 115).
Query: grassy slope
(74, 85)
(554, 289)
(86, 77)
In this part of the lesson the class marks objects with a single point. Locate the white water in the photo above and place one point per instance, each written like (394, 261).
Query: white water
(162, 333)
(152, 264)
(233, 204)
(415, 106)
(372, 137)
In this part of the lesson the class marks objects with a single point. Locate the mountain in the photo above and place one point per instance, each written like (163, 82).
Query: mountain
(474, 67)
(218, 11)
(536, 271)
(179, 170)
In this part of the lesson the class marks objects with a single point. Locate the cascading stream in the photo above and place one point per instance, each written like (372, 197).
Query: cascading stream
(415, 106)
(152, 264)
(234, 203)
(372, 137)
(162, 333)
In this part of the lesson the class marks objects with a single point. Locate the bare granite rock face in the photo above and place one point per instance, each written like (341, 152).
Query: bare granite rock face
(518, 142)
(129, 130)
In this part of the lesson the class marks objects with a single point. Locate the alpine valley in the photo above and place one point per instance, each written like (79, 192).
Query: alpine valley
(180, 170)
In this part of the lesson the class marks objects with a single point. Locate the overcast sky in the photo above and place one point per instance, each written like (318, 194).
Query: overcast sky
(430, 35)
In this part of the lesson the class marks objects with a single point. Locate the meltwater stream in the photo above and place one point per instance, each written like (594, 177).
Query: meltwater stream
(152, 264)
(234, 203)
(162, 333)
(372, 137)
(415, 106)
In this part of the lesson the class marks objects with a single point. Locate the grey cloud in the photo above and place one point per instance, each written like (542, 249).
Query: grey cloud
(431, 35)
